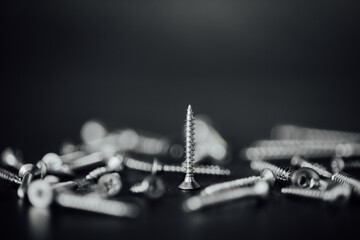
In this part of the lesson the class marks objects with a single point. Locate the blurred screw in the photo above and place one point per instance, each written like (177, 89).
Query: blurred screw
(338, 164)
(266, 175)
(260, 189)
(41, 193)
(114, 164)
(109, 185)
(345, 179)
(86, 161)
(301, 162)
(303, 177)
(27, 173)
(9, 177)
(56, 165)
(152, 186)
(339, 193)
(303, 133)
(347, 150)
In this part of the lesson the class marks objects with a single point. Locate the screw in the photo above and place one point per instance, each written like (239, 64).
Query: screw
(27, 173)
(266, 175)
(338, 164)
(160, 167)
(56, 165)
(114, 164)
(346, 179)
(86, 161)
(41, 193)
(297, 132)
(303, 177)
(260, 190)
(9, 177)
(189, 182)
(347, 150)
(109, 185)
(152, 186)
(337, 194)
(301, 162)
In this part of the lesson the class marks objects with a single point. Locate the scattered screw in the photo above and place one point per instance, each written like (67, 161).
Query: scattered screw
(260, 189)
(109, 185)
(338, 164)
(152, 186)
(266, 175)
(114, 164)
(9, 177)
(189, 182)
(337, 194)
(301, 162)
(303, 177)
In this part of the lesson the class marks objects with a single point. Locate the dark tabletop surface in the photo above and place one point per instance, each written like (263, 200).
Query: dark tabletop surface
(246, 64)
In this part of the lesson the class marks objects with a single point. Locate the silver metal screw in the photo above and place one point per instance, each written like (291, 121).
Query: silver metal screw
(27, 173)
(266, 175)
(336, 194)
(346, 179)
(301, 162)
(56, 165)
(86, 161)
(41, 193)
(338, 164)
(303, 177)
(152, 186)
(9, 177)
(114, 164)
(260, 189)
(189, 182)
(347, 150)
(109, 185)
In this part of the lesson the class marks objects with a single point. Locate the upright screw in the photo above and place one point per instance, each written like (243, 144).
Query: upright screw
(301, 162)
(114, 164)
(109, 185)
(9, 177)
(338, 164)
(266, 175)
(152, 186)
(336, 194)
(297, 132)
(41, 193)
(260, 189)
(303, 177)
(189, 182)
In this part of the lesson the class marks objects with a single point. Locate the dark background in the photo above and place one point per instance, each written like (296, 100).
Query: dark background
(246, 64)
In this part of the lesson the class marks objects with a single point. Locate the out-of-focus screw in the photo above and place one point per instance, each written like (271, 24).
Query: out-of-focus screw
(56, 165)
(86, 161)
(109, 185)
(9, 177)
(301, 162)
(41, 193)
(346, 179)
(114, 164)
(189, 182)
(152, 186)
(266, 175)
(27, 173)
(260, 189)
(303, 133)
(338, 193)
(347, 150)
(338, 164)
(303, 177)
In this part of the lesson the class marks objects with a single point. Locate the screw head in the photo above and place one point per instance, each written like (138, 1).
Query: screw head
(305, 178)
(116, 163)
(40, 194)
(189, 183)
(261, 189)
(9, 157)
(109, 185)
(27, 168)
(337, 164)
(52, 160)
(268, 176)
(155, 187)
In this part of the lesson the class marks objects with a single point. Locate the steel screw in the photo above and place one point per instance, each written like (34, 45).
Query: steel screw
(114, 164)
(152, 186)
(9, 177)
(338, 164)
(109, 185)
(304, 177)
(260, 189)
(41, 193)
(336, 194)
(301, 162)
(266, 175)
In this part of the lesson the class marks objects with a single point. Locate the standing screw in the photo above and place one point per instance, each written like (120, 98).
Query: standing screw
(266, 175)
(114, 164)
(41, 193)
(301, 162)
(27, 173)
(9, 177)
(152, 186)
(336, 194)
(109, 185)
(346, 179)
(304, 177)
(260, 189)
(189, 182)
(338, 164)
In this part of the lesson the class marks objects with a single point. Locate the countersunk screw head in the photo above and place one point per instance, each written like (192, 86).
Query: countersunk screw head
(305, 178)
(40, 194)
(109, 185)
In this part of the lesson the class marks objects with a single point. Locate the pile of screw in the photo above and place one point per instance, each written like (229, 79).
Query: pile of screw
(94, 170)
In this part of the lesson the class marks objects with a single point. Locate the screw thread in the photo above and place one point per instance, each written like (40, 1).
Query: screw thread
(309, 193)
(9, 177)
(96, 173)
(189, 142)
(86, 161)
(138, 165)
(215, 188)
(200, 169)
(98, 205)
(281, 173)
(347, 180)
